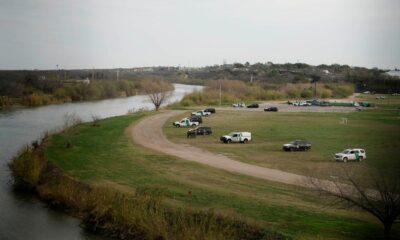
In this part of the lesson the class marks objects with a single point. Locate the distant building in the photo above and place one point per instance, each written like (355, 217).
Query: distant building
(84, 81)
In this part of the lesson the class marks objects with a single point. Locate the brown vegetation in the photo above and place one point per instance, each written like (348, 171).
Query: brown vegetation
(234, 90)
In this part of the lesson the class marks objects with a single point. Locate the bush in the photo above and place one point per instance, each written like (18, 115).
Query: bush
(340, 91)
(325, 93)
(293, 93)
(306, 93)
(5, 102)
(37, 99)
(27, 166)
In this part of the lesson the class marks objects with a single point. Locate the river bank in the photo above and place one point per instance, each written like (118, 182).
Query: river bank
(138, 214)
(23, 215)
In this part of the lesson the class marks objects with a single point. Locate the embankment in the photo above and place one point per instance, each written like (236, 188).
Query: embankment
(141, 214)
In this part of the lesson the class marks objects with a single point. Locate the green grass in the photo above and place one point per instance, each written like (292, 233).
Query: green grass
(106, 156)
(377, 131)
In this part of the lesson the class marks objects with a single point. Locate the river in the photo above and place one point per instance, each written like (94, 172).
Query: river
(24, 216)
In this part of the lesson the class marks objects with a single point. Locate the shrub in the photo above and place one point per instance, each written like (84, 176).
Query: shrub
(325, 93)
(306, 93)
(5, 102)
(27, 166)
(293, 93)
(37, 99)
(340, 91)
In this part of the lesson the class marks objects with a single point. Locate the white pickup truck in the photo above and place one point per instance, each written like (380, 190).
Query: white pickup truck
(242, 137)
(186, 122)
(302, 103)
(201, 113)
(356, 154)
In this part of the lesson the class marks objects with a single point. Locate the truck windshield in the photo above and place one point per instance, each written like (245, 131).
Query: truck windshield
(346, 151)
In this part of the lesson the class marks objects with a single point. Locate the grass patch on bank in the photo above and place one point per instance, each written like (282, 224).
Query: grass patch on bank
(375, 130)
(104, 156)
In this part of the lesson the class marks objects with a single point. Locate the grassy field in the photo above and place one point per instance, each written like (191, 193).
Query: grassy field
(376, 130)
(104, 155)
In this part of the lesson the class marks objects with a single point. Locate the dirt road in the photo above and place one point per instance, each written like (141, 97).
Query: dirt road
(148, 133)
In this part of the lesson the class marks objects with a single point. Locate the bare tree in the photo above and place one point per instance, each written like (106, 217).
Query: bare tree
(373, 191)
(158, 91)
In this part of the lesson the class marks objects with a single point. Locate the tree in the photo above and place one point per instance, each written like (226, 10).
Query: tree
(157, 90)
(378, 194)
(315, 79)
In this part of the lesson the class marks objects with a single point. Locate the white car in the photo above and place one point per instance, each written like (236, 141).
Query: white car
(186, 122)
(301, 103)
(242, 137)
(355, 154)
(201, 113)
(238, 105)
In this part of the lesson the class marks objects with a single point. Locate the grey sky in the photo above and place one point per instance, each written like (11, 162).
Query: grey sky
(104, 34)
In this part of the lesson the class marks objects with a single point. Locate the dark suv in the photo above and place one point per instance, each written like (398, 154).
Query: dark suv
(199, 131)
(210, 110)
(253, 105)
(297, 145)
(194, 118)
(271, 109)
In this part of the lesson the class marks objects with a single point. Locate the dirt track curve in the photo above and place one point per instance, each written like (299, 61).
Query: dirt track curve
(148, 133)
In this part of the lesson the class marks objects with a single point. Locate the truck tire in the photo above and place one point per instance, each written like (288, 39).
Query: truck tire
(360, 159)
(345, 159)
(228, 141)
(245, 141)
(193, 125)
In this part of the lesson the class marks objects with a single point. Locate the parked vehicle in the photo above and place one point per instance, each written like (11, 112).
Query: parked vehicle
(195, 118)
(316, 102)
(302, 103)
(241, 137)
(253, 105)
(199, 131)
(186, 122)
(201, 113)
(210, 110)
(364, 104)
(297, 145)
(355, 154)
(271, 109)
(238, 105)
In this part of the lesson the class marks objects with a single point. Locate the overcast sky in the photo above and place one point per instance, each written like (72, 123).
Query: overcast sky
(39, 34)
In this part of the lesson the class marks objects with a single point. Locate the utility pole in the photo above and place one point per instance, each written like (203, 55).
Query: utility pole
(117, 74)
(251, 78)
(315, 89)
(220, 93)
(58, 73)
